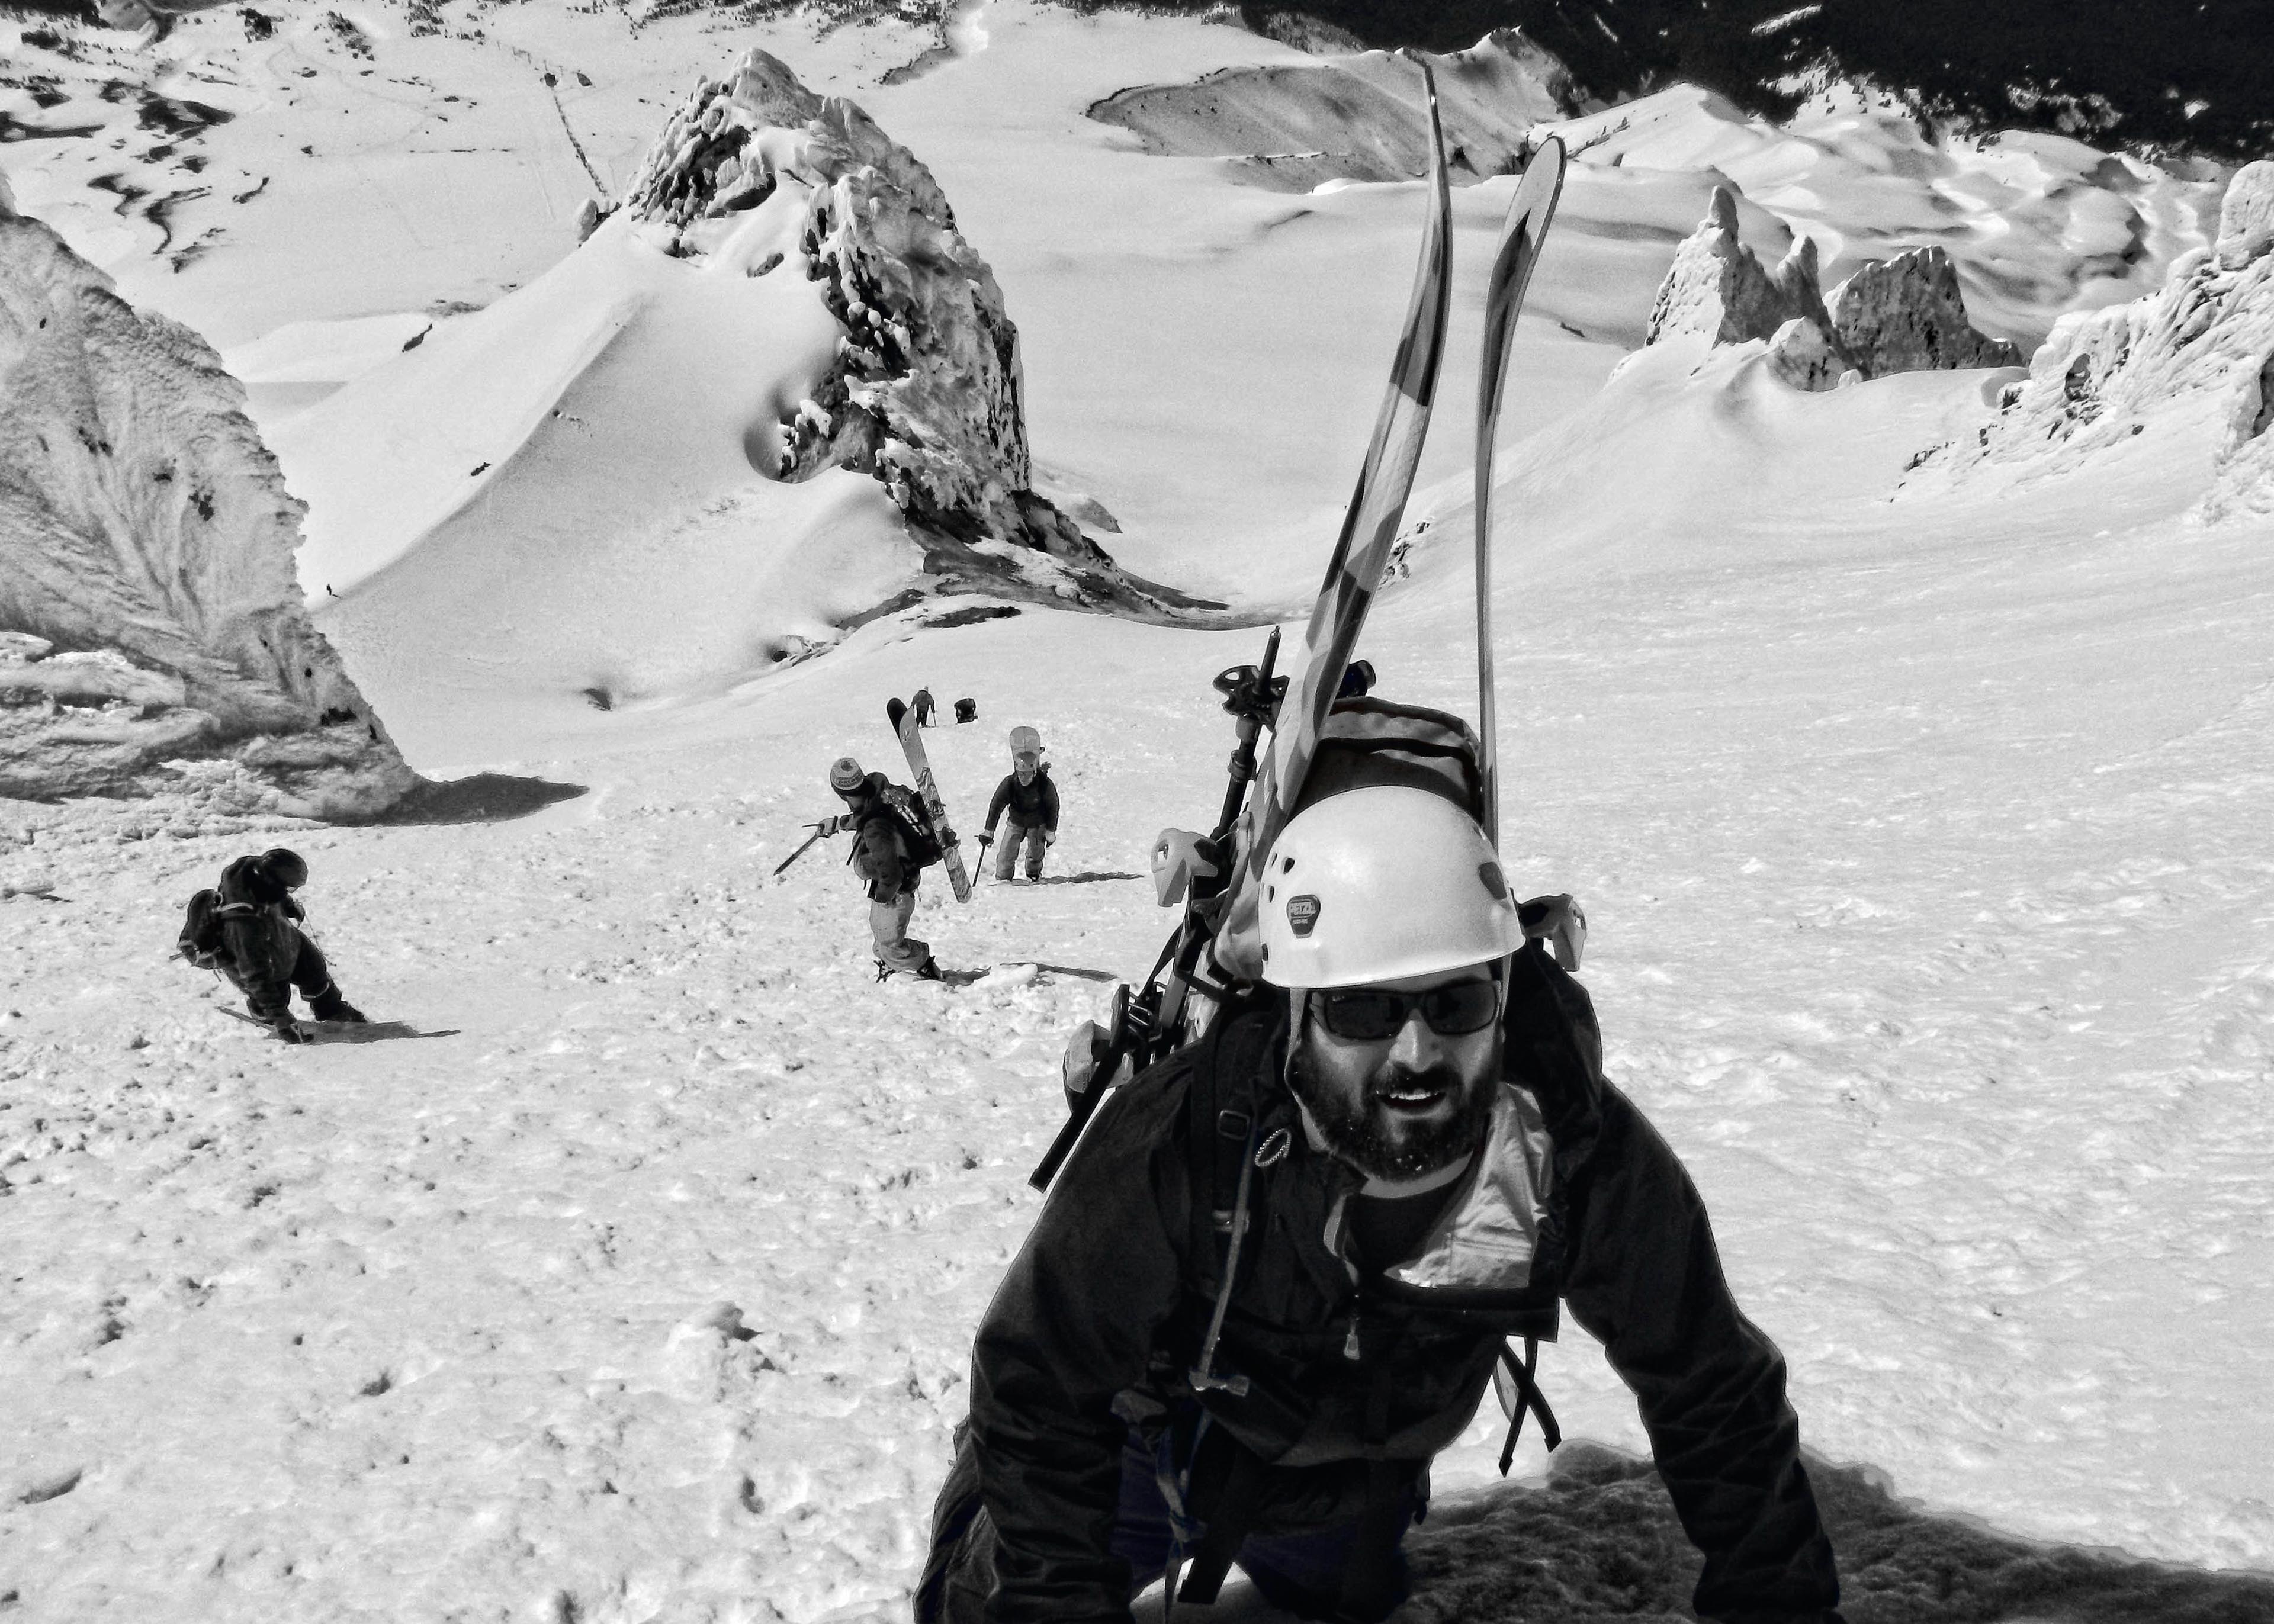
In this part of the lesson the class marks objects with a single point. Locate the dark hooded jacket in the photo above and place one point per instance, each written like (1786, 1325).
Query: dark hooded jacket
(260, 929)
(1030, 805)
(1102, 1314)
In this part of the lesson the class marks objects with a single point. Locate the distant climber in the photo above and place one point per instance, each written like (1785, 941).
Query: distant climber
(1031, 801)
(249, 931)
(922, 705)
(893, 844)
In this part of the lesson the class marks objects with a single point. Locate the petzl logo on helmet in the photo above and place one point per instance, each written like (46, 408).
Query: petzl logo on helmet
(1490, 873)
(1302, 914)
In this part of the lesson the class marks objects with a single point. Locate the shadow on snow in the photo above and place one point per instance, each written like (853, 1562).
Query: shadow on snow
(1599, 1541)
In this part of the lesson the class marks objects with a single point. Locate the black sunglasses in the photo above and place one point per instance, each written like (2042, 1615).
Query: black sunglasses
(1366, 1016)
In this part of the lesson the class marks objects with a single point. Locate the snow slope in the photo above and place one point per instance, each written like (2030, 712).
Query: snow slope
(1921, 840)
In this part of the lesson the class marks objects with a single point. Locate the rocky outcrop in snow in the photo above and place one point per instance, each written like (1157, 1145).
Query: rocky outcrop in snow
(2196, 358)
(1718, 288)
(1907, 315)
(148, 609)
(925, 391)
(1900, 315)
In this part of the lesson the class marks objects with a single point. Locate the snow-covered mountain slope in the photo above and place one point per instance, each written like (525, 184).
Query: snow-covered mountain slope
(2183, 379)
(145, 567)
(1295, 125)
(2109, 70)
(1921, 841)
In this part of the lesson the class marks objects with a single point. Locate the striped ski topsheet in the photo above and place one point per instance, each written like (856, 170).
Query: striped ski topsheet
(1520, 236)
(1354, 574)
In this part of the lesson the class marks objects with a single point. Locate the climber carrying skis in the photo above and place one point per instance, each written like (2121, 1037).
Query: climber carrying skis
(1031, 801)
(893, 844)
(249, 931)
(1278, 1272)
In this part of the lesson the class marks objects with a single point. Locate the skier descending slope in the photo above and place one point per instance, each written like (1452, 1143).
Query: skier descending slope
(1276, 1275)
(893, 844)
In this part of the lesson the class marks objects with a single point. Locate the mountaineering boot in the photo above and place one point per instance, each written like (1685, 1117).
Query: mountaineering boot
(329, 1005)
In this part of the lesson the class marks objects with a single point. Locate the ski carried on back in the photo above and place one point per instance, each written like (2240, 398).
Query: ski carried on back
(904, 724)
(1217, 877)
(1528, 214)
(1354, 573)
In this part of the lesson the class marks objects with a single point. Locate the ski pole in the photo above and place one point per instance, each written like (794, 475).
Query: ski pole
(818, 833)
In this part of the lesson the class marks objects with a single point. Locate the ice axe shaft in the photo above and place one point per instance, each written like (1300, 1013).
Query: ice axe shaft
(818, 833)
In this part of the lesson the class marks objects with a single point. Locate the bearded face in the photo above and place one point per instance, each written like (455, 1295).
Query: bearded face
(1400, 1106)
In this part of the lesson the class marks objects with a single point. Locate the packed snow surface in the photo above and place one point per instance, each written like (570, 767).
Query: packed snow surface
(629, 1271)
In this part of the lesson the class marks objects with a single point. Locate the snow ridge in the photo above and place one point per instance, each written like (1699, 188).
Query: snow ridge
(146, 533)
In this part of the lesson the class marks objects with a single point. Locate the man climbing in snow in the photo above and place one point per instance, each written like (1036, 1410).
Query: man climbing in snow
(1276, 1276)
(923, 707)
(252, 936)
(892, 845)
(1032, 800)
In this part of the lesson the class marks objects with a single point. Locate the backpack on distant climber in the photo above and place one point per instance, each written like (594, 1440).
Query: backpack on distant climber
(201, 941)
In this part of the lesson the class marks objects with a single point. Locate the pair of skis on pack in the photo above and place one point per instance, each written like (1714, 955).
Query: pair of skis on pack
(951, 846)
(1224, 922)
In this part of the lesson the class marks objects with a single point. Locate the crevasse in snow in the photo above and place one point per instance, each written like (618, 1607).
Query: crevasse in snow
(146, 565)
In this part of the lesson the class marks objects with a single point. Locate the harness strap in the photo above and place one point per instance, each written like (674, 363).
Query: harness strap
(1529, 1401)
(1224, 1487)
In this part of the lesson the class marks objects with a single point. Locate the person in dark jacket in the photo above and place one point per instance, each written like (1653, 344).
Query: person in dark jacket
(266, 953)
(1277, 1273)
(1031, 801)
(922, 705)
(879, 815)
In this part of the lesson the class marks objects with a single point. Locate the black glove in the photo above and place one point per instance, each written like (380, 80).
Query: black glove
(290, 1032)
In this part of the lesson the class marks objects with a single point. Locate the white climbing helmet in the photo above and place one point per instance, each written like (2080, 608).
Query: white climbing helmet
(1378, 883)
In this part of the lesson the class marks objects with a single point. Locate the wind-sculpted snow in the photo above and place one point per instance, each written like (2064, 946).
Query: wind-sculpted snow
(146, 565)
(1292, 126)
(2193, 363)
(924, 392)
(1900, 315)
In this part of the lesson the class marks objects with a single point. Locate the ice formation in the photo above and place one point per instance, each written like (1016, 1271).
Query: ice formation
(1903, 315)
(925, 390)
(148, 609)
(2196, 358)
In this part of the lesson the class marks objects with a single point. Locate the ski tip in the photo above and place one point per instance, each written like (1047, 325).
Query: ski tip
(894, 710)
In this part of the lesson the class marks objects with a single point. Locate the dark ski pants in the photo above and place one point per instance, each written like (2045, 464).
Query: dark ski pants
(308, 975)
(1006, 855)
(1298, 1572)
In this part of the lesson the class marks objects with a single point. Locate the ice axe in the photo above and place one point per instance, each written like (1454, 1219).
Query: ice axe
(820, 832)
(980, 878)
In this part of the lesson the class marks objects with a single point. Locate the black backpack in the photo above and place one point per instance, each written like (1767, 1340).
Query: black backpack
(201, 941)
(914, 823)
